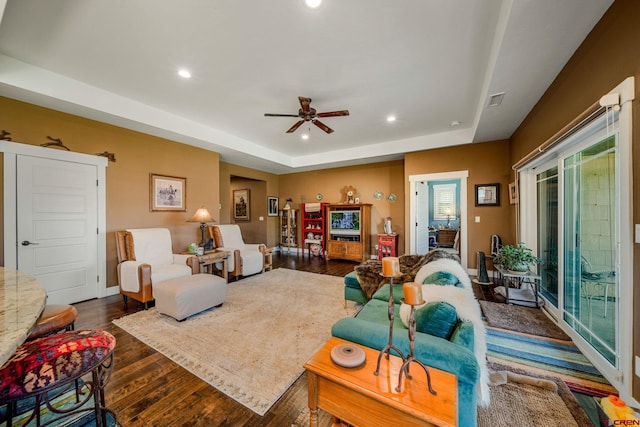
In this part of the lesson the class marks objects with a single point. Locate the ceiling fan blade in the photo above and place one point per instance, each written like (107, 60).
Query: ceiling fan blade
(322, 126)
(280, 115)
(296, 126)
(333, 113)
(304, 103)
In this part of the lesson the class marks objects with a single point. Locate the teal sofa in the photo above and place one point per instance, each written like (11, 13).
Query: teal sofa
(442, 341)
(352, 289)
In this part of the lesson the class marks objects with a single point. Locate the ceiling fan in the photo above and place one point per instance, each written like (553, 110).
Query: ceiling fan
(308, 114)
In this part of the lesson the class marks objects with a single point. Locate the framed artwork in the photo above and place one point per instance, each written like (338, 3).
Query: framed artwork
(241, 204)
(272, 206)
(167, 193)
(513, 193)
(488, 194)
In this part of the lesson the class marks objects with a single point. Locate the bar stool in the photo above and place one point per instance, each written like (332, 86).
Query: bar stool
(54, 318)
(44, 364)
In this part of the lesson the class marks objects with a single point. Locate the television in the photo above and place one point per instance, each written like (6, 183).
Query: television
(345, 222)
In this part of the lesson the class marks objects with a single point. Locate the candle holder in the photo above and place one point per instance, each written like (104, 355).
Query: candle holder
(387, 348)
(405, 366)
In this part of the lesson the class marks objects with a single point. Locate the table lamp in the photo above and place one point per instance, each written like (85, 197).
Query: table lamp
(202, 216)
(448, 213)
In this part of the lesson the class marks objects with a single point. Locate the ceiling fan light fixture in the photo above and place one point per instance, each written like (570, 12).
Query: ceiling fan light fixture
(313, 3)
(305, 136)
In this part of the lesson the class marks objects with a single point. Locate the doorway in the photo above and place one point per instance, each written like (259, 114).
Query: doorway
(428, 209)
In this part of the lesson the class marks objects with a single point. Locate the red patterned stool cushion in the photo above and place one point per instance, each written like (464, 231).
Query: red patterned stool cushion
(48, 361)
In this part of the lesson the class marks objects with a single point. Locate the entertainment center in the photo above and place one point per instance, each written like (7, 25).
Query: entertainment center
(349, 231)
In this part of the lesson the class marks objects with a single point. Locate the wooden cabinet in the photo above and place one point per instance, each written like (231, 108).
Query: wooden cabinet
(446, 238)
(345, 250)
(288, 229)
(387, 245)
(313, 227)
(348, 231)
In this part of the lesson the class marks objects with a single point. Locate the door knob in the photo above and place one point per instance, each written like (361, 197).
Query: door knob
(27, 243)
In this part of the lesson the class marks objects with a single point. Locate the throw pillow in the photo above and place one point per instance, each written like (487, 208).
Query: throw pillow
(435, 318)
(442, 278)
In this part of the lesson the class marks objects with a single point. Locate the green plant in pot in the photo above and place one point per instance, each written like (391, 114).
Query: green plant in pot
(516, 259)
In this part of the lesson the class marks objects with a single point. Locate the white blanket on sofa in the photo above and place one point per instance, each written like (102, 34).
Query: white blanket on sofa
(467, 308)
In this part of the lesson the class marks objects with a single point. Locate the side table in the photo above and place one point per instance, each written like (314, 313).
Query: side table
(356, 396)
(268, 259)
(521, 296)
(210, 258)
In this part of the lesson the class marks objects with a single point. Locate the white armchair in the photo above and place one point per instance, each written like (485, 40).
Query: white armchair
(246, 259)
(145, 257)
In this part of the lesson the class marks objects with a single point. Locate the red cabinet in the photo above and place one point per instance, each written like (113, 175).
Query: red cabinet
(387, 245)
(313, 228)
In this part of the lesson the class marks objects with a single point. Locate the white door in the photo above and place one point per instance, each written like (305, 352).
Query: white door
(57, 227)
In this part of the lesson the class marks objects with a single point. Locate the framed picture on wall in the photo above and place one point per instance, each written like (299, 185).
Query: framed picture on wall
(167, 193)
(241, 204)
(513, 193)
(272, 206)
(488, 194)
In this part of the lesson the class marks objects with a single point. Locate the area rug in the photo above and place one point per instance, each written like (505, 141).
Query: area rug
(62, 398)
(548, 357)
(521, 398)
(254, 346)
(521, 319)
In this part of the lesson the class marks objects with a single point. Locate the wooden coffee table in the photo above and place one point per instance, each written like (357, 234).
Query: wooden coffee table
(359, 398)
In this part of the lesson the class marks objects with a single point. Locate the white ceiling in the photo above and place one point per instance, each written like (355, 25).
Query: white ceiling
(429, 62)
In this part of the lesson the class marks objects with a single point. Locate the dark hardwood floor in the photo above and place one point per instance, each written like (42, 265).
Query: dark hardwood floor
(148, 389)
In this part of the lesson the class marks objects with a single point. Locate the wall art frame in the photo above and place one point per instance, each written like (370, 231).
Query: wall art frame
(513, 193)
(242, 204)
(167, 193)
(272, 206)
(488, 194)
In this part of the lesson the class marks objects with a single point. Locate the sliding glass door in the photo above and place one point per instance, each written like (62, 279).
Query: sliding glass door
(576, 209)
(547, 210)
(590, 245)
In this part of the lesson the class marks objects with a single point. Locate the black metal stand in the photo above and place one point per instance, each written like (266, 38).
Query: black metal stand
(405, 366)
(387, 348)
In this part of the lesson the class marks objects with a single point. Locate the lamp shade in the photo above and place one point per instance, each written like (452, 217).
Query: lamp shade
(201, 215)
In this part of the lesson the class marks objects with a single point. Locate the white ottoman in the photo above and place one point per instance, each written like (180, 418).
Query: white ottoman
(185, 296)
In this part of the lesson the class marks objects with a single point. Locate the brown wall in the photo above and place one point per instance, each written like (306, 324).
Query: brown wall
(387, 177)
(137, 155)
(487, 163)
(607, 56)
(258, 231)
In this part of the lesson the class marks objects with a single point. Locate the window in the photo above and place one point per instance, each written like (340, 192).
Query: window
(444, 201)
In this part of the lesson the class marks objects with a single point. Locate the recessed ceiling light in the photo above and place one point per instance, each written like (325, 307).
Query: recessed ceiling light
(313, 3)
(455, 123)
(391, 118)
(305, 136)
(185, 74)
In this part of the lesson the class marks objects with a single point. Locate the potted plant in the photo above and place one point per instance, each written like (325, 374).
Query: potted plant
(516, 259)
